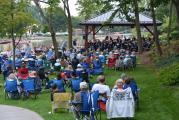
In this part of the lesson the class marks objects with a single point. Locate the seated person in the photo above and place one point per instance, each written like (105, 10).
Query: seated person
(68, 70)
(121, 102)
(79, 70)
(127, 60)
(13, 76)
(97, 67)
(85, 64)
(119, 63)
(103, 89)
(60, 83)
(119, 85)
(134, 59)
(77, 99)
(4, 66)
(102, 58)
(23, 72)
(124, 77)
(57, 65)
(132, 84)
(38, 82)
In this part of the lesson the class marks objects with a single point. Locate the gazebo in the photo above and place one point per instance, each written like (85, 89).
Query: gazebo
(103, 20)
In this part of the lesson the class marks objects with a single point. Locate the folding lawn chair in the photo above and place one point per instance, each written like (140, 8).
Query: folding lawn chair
(89, 106)
(61, 101)
(29, 88)
(11, 89)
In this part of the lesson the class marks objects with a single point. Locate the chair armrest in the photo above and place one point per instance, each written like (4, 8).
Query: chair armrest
(75, 103)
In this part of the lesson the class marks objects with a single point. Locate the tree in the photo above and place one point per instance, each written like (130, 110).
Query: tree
(54, 4)
(58, 18)
(176, 4)
(152, 4)
(48, 19)
(170, 23)
(89, 8)
(69, 21)
(137, 23)
(16, 23)
(156, 36)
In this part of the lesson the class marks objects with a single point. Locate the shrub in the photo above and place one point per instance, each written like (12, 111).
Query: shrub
(169, 75)
(163, 62)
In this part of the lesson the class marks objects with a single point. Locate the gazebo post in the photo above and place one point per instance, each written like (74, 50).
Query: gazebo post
(86, 36)
(94, 32)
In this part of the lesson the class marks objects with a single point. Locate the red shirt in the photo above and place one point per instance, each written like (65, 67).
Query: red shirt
(23, 73)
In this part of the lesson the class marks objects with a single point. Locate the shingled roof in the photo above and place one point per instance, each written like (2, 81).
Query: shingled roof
(117, 21)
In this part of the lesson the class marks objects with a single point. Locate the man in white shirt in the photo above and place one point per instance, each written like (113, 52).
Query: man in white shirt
(103, 89)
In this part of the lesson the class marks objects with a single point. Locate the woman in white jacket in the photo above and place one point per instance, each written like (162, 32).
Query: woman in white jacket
(121, 102)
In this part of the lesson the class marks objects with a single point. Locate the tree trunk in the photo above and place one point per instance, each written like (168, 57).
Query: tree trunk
(156, 37)
(176, 3)
(12, 34)
(70, 33)
(170, 23)
(55, 45)
(70, 27)
(137, 23)
(50, 27)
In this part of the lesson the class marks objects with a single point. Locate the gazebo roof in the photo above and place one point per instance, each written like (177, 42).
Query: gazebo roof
(117, 21)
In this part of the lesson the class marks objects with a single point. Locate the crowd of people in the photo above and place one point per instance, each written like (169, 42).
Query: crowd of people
(79, 65)
(129, 44)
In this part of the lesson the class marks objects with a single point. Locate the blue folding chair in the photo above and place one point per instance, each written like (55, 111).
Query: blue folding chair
(29, 88)
(59, 84)
(11, 88)
(134, 59)
(18, 63)
(31, 65)
(97, 68)
(85, 65)
(90, 105)
(75, 84)
(39, 63)
(102, 59)
(79, 73)
(68, 73)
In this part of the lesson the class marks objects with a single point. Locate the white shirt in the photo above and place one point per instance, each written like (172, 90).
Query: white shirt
(101, 88)
(120, 104)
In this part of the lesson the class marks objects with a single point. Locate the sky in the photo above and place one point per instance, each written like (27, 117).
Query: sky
(73, 7)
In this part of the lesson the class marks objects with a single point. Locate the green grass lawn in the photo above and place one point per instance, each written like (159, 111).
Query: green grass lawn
(157, 102)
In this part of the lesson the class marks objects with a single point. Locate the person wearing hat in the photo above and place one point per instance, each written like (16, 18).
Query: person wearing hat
(79, 67)
(79, 70)
(77, 99)
(57, 65)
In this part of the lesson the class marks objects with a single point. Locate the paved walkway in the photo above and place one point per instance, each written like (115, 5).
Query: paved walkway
(17, 113)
